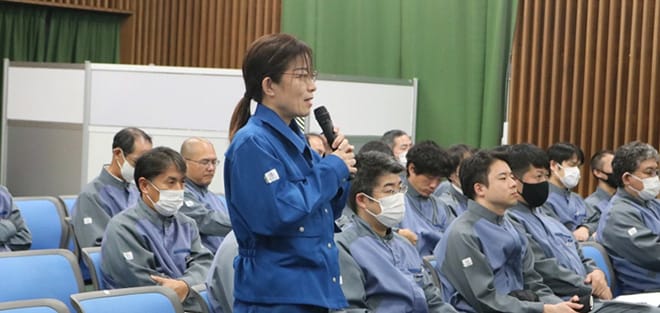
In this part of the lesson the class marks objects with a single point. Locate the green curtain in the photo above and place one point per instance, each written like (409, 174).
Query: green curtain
(77, 36)
(459, 50)
(42, 34)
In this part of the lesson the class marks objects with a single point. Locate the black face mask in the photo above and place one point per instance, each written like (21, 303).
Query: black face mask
(610, 179)
(535, 194)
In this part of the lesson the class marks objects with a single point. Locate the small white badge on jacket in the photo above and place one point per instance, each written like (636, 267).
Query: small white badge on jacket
(271, 176)
(467, 262)
(128, 255)
(632, 231)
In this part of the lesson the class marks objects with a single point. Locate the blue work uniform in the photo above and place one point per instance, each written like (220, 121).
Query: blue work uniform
(209, 213)
(283, 199)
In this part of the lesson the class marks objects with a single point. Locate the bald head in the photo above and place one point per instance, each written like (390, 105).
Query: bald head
(201, 159)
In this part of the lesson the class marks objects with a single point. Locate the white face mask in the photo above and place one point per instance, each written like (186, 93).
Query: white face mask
(127, 170)
(169, 202)
(651, 187)
(402, 159)
(392, 209)
(571, 176)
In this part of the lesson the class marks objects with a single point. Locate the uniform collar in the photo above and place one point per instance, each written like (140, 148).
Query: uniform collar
(362, 224)
(485, 213)
(563, 191)
(413, 192)
(152, 215)
(291, 131)
(107, 178)
(626, 195)
(189, 184)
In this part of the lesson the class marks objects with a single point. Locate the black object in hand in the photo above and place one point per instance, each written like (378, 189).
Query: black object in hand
(325, 122)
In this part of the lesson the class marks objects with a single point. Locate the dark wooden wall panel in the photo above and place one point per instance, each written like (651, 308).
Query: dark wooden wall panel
(204, 33)
(586, 71)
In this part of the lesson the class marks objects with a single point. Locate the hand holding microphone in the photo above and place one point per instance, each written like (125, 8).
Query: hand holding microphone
(338, 142)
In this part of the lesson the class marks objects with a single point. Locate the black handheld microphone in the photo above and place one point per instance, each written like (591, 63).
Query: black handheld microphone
(324, 120)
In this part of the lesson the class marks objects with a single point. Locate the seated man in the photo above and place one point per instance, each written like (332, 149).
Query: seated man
(152, 243)
(484, 263)
(630, 231)
(14, 234)
(399, 142)
(558, 257)
(601, 168)
(200, 203)
(381, 270)
(426, 215)
(450, 192)
(564, 205)
(112, 191)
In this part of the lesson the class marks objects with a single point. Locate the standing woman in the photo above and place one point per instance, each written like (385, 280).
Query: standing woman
(283, 197)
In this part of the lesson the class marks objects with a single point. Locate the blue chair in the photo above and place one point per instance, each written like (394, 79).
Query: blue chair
(46, 219)
(201, 297)
(69, 201)
(597, 253)
(34, 306)
(157, 299)
(91, 257)
(35, 274)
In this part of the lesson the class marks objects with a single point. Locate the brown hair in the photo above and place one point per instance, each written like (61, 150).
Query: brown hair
(267, 56)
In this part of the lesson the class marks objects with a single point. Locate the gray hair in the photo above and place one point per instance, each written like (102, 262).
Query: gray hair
(628, 157)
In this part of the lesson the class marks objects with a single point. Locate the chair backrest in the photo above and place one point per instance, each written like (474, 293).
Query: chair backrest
(128, 300)
(69, 201)
(597, 253)
(46, 218)
(34, 306)
(91, 257)
(34, 274)
(429, 265)
(201, 298)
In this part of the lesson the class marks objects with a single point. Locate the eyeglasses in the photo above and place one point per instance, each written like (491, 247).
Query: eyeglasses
(206, 162)
(402, 189)
(304, 75)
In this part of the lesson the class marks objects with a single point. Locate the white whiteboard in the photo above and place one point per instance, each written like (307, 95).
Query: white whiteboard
(204, 99)
(163, 97)
(367, 109)
(48, 94)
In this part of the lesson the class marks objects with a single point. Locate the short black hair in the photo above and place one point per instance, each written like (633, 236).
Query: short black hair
(156, 161)
(597, 159)
(475, 169)
(125, 139)
(628, 157)
(563, 151)
(430, 159)
(523, 155)
(389, 136)
(376, 145)
(457, 153)
(371, 165)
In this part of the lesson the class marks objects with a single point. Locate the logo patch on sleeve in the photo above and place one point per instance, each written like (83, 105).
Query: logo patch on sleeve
(271, 176)
(467, 262)
(128, 255)
(632, 231)
(87, 220)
